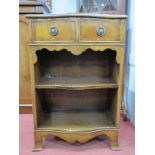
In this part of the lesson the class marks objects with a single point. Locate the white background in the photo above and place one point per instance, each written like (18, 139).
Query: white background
(145, 77)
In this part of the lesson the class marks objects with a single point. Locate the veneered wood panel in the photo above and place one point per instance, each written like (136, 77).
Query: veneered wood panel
(24, 66)
(66, 31)
(88, 30)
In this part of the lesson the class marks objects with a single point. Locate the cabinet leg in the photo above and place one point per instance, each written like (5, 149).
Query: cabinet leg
(38, 139)
(114, 142)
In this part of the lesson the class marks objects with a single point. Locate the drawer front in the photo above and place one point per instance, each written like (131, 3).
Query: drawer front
(30, 9)
(100, 31)
(54, 31)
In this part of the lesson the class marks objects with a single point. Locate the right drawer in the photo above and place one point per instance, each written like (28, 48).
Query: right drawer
(100, 30)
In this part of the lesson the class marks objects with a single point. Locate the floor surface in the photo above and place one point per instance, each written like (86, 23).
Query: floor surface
(55, 146)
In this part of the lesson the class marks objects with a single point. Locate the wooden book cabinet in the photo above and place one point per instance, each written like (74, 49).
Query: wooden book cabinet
(76, 64)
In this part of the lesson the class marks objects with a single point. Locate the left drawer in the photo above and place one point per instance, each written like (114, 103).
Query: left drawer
(53, 31)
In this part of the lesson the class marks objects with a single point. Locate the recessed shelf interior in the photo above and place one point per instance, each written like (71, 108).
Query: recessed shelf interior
(76, 109)
(76, 121)
(61, 69)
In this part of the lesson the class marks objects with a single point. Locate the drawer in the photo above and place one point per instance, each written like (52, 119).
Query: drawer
(100, 31)
(30, 9)
(54, 31)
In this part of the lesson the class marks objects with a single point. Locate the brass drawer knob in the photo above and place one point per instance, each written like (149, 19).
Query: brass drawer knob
(53, 31)
(100, 31)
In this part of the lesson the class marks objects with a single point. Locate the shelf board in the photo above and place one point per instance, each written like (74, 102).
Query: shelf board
(76, 121)
(78, 83)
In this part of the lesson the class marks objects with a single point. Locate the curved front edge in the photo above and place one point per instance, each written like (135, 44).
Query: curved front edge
(34, 57)
(79, 50)
(81, 137)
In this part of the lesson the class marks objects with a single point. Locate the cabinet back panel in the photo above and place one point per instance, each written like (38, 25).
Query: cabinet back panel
(69, 100)
(64, 64)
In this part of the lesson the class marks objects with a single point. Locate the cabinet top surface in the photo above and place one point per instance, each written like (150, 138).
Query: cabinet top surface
(84, 15)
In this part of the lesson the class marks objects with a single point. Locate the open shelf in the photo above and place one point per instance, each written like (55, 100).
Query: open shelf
(76, 110)
(63, 70)
(76, 83)
(76, 121)
(76, 92)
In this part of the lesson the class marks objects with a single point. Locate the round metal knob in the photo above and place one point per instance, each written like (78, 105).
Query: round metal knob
(100, 31)
(53, 31)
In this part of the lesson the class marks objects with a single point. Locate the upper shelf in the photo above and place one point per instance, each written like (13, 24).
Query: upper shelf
(89, 15)
(78, 83)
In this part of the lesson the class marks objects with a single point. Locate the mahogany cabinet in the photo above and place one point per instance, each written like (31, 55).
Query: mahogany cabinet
(76, 64)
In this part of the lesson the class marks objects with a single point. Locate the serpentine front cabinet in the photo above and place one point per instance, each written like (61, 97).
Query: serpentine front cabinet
(76, 63)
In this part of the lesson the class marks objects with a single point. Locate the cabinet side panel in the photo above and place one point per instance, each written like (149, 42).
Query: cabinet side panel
(24, 68)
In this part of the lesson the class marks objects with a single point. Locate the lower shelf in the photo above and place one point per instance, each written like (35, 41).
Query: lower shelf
(76, 121)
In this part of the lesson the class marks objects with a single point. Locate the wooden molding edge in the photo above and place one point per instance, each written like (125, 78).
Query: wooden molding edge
(77, 51)
(25, 108)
